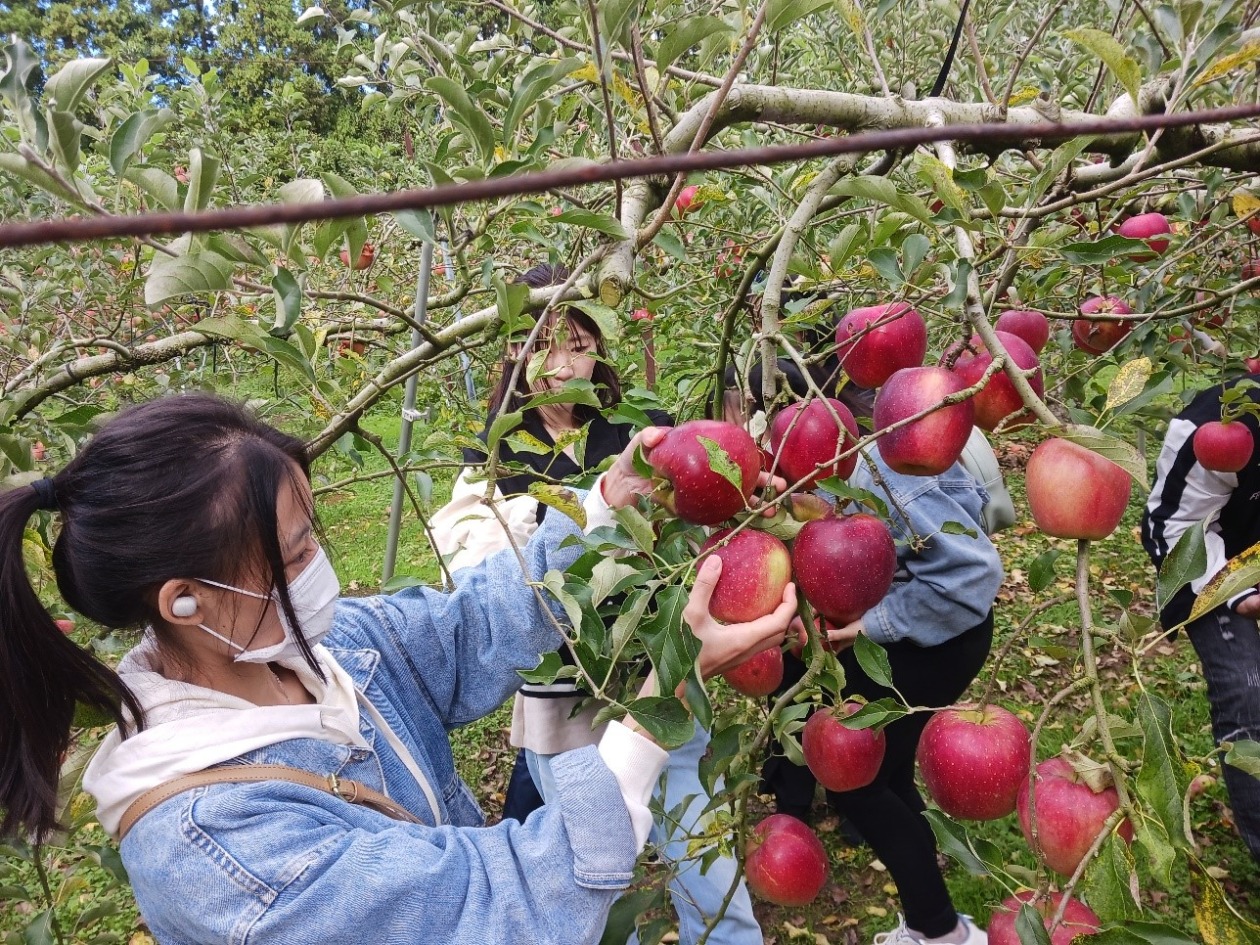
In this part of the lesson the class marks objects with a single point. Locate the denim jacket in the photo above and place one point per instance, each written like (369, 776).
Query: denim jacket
(274, 862)
(949, 585)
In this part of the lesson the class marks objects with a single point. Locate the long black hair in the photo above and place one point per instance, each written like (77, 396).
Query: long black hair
(181, 487)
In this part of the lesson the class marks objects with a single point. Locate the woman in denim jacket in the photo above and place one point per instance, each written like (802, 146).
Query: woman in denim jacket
(192, 519)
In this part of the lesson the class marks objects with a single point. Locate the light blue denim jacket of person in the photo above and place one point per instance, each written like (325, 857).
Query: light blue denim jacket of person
(277, 863)
(948, 586)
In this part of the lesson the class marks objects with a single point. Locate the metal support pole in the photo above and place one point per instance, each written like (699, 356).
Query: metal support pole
(409, 414)
(464, 360)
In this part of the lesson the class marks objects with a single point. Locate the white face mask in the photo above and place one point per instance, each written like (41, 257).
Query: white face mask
(313, 593)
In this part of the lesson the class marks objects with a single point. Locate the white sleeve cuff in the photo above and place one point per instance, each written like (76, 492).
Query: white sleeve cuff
(636, 763)
(597, 511)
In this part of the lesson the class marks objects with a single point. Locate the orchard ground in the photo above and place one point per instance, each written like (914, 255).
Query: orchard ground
(859, 898)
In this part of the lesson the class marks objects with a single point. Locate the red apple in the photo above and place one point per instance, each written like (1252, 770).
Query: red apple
(1251, 268)
(1223, 447)
(758, 675)
(1099, 337)
(998, 399)
(1253, 223)
(844, 565)
(1144, 226)
(686, 199)
(65, 626)
(38, 451)
(641, 315)
(693, 490)
(1253, 364)
(930, 445)
(1069, 815)
(1032, 326)
(974, 761)
(806, 439)
(841, 758)
(785, 862)
(1078, 919)
(366, 255)
(756, 567)
(1074, 492)
(872, 355)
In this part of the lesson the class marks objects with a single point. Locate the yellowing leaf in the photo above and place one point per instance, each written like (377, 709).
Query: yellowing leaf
(1129, 381)
(561, 499)
(1104, 46)
(1245, 204)
(1219, 924)
(1238, 574)
(853, 17)
(587, 73)
(938, 174)
(1024, 95)
(1248, 54)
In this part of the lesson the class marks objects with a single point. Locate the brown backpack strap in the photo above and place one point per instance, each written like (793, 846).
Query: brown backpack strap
(352, 791)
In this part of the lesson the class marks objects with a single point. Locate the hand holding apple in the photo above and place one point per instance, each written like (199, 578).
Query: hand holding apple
(725, 646)
(622, 485)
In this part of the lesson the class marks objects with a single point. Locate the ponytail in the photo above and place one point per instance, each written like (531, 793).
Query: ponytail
(43, 676)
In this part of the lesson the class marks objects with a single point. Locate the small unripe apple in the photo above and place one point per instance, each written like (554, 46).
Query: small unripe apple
(785, 862)
(872, 355)
(1147, 226)
(1099, 337)
(1032, 326)
(930, 445)
(1074, 492)
(756, 568)
(758, 675)
(692, 489)
(1223, 447)
(841, 758)
(975, 761)
(807, 439)
(844, 565)
(1078, 919)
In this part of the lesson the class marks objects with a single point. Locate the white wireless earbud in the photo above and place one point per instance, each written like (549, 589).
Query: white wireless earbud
(184, 606)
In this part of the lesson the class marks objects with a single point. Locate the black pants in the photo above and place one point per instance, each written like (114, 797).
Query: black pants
(888, 811)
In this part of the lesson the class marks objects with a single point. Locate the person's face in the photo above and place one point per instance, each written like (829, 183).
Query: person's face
(571, 354)
(237, 615)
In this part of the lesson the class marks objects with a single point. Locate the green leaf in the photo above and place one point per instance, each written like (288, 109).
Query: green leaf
(874, 715)
(531, 88)
(465, 114)
(669, 242)
(884, 260)
(510, 300)
(604, 317)
(203, 171)
(40, 931)
(669, 641)
(637, 527)
(1098, 252)
(1041, 571)
(17, 166)
(958, 528)
(1104, 46)
(134, 133)
(781, 13)
(952, 840)
(547, 670)
(288, 296)
(1157, 782)
(65, 90)
(845, 245)
(665, 718)
(1240, 573)
(600, 222)
(883, 190)
(1110, 880)
(1030, 927)
(1245, 756)
(419, 223)
(686, 34)
(721, 463)
(1123, 454)
(503, 424)
(629, 617)
(67, 132)
(186, 274)
(157, 185)
(575, 391)
(1186, 562)
(561, 499)
(615, 17)
(628, 908)
(1142, 933)
(941, 179)
(840, 488)
(873, 659)
(356, 231)
(310, 13)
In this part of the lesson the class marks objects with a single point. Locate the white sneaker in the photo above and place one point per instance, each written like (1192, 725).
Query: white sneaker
(901, 935)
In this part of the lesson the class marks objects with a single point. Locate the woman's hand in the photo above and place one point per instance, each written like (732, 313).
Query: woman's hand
(622, 485)
(723, 646)
(834, 638)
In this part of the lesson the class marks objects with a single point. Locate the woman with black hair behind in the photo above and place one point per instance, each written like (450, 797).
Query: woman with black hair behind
(555, 718)
(281, 770)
